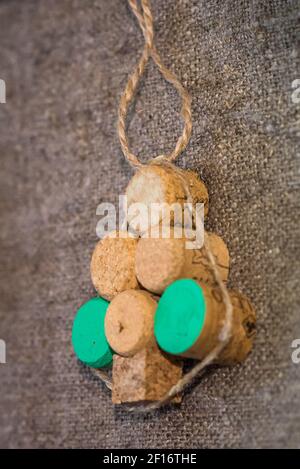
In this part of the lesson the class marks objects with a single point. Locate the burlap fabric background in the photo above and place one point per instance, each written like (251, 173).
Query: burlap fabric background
(65, 63)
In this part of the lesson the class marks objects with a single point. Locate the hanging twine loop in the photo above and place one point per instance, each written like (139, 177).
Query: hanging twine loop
(145, 19)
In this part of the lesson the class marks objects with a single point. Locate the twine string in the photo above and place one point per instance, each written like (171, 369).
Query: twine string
(145, 19)
(104, 376)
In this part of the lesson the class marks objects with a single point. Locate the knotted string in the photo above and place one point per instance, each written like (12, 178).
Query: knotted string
(145, 19)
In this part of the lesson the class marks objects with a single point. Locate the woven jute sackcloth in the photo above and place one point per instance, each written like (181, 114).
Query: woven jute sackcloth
(65, 65)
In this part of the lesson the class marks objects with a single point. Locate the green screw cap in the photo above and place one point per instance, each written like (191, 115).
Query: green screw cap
(180, 316)
(88, 336)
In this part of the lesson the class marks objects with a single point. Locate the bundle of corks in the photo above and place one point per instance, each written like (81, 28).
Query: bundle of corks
(158, 301)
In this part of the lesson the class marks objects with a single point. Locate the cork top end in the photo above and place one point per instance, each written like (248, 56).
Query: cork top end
(180, 316)
(159, 262)
(88, 336)
(129, 322)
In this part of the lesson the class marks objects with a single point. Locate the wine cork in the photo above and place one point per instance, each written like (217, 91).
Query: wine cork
(161, 261)
(129, 322)
(88, 336)
(189, 319)
(113, 265)
(156, 184)
(147, 376)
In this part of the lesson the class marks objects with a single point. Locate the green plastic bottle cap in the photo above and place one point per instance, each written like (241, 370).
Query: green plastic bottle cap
(180, 315)
(88, 336)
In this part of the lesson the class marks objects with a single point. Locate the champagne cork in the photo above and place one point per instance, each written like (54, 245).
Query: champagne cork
(88, 336)
(113, 265)
(147, 376)
(129, 322)
(161, 261)
(189, 319)
(156, 184)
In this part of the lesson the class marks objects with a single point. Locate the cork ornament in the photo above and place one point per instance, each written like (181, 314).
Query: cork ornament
(161, 261)
(143, 336)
